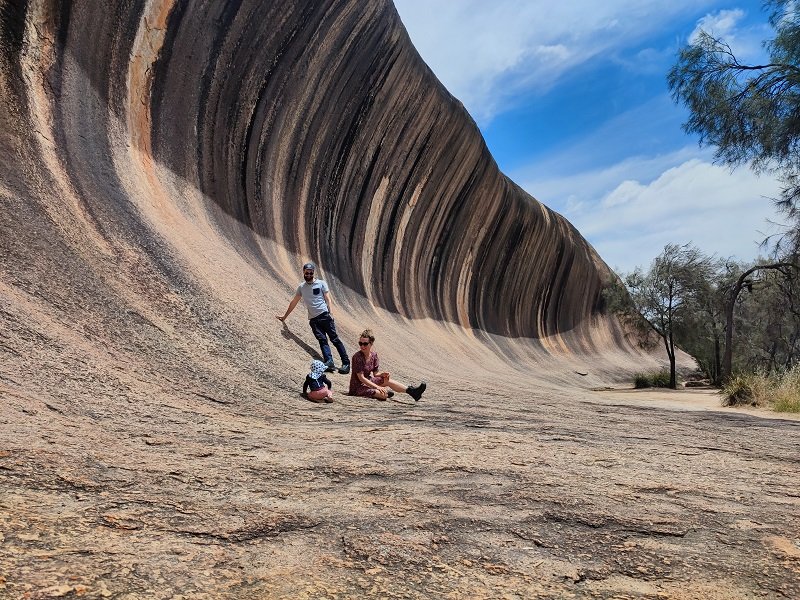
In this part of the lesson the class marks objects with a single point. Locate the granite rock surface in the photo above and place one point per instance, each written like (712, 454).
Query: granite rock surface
(165, 169)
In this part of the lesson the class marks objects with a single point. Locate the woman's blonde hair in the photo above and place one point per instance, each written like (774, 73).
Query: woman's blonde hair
(367, 333)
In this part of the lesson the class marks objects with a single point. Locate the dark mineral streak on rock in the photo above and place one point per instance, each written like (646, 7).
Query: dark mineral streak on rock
(317, 125)
(12, 25)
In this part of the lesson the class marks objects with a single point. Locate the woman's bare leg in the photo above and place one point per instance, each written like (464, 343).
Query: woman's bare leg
(397, 387)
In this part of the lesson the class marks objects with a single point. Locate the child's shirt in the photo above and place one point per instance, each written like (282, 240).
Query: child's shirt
(316, 384)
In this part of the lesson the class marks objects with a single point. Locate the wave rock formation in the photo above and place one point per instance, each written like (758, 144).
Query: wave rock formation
(165, 169)
(168, 165)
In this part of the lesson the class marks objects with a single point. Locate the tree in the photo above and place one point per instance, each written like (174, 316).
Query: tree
(701, 332)
(751, 113)
(743, 281)
(665, 294)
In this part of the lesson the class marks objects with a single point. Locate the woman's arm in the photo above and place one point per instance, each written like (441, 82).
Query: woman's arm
(367, 382)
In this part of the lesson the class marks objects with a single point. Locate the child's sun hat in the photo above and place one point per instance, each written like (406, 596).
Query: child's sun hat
(317, 369)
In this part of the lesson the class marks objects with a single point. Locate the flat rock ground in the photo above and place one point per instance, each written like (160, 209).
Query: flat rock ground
(469, 493)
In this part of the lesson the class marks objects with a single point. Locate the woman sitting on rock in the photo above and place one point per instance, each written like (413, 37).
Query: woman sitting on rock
(367, 380)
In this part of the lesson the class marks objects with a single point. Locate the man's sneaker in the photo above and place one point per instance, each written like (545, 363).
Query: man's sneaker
(416, 392)
(344, 369)
(329, 366)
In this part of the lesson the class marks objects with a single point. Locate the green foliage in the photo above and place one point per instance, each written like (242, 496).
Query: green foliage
(665, 291)
(779, 391)
(657, 379)
(686, 298)
(615, 297)
(751, 113)
(702, 330)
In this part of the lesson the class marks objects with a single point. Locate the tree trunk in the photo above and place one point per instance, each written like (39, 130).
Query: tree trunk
(728, 357)
(791, 350)
(771, 364)
(673, 382)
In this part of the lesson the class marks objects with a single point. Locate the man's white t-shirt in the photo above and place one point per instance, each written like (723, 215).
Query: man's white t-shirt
(313, 298)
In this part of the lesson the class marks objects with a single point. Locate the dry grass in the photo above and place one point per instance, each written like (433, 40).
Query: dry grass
(787, 393)
(780, 392)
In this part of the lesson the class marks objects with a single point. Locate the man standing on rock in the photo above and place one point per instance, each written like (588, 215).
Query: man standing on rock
(314, 293)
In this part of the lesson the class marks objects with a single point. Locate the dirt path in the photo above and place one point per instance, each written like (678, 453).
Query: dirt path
(692, 399)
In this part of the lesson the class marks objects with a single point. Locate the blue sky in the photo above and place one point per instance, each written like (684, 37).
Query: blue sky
(572, 100)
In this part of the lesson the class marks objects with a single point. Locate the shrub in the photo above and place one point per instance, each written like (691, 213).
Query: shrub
(788, 404)
(780, 391)
(744, 390)
(787, 393)
(659, 379)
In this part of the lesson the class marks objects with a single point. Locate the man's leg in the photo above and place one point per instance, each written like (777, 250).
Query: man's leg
(318, 328)
(330, 329)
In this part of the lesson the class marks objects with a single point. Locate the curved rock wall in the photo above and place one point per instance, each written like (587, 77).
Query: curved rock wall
(310, 123)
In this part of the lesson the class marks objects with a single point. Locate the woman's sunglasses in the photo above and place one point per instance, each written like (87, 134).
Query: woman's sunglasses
(364, 343)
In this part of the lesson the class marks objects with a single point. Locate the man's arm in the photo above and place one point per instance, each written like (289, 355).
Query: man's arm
(328, 301)
(292, 304)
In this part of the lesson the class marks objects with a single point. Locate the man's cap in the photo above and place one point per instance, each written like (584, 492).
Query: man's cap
(309, 266)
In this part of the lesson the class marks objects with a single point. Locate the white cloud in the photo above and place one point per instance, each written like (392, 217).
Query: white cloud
(631, 207)
(727, 25)
(721, 24)
(626, 192)
(720, 211)
(487, 53)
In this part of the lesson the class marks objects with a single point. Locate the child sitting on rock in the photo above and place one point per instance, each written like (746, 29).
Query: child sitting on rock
(317, 386)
